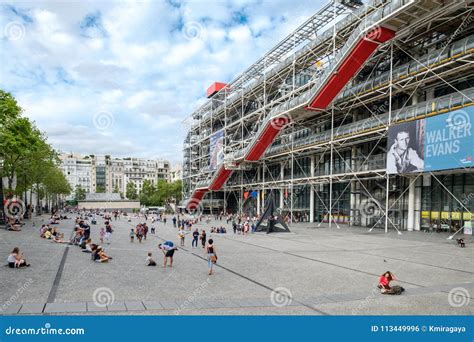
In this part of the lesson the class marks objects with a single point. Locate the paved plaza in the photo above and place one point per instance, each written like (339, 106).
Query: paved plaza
(314, 270)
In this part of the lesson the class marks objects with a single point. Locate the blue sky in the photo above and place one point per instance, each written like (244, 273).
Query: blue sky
(119, 77)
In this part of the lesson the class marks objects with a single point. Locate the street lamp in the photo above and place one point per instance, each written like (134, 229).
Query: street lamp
(26, 214)
(2, 211)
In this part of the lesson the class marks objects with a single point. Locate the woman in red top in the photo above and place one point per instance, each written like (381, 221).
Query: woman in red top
(384, 284)
(384, 281)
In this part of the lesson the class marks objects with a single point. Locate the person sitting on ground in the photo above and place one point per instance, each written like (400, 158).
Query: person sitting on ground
(384, 284)
(149, 260)
(94, 248)
(87, 246)
(102, 256)
(17, 220)
(76, 239)
(13, 225)
(43, 230)
(48, 233)
(56, 233)
(98, 254)
(15, 259)
(83, 243)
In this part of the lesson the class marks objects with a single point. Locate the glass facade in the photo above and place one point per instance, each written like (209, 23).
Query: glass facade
(447, 203)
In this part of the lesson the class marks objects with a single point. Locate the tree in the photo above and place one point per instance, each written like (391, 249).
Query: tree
(131, 191)
(26, 155)
(164, 192)
(79, 193)
(9, 108)
(176, 190)
(19, 139)
(55, 185)
(147, 193)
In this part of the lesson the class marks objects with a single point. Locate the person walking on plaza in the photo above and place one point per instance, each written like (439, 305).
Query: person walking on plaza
(194, 244)
(132, 234)
(101, 234)
(203, 238)
(139, 232)
(181, 236)
(108, 233)
(211, 255)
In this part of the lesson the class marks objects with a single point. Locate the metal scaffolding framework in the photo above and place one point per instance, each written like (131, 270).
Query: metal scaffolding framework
(340, 148)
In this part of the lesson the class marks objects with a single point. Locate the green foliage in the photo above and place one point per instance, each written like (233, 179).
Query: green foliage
(164, 192)
(79, 193)
(131, 191)
(26, 154)
(9, 108)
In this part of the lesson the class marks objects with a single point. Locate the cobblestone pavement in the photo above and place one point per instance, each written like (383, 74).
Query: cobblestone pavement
(314, 270)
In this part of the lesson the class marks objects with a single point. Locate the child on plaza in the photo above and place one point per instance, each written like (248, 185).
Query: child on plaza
(108, 232)
(101, 234)
(149, 260)
(132, 234)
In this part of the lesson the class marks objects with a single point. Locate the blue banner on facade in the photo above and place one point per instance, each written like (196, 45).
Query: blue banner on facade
(237, 328)
(440, 142)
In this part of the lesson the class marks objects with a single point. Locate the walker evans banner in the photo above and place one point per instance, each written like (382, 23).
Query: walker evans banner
(216, 150)
(440, 142)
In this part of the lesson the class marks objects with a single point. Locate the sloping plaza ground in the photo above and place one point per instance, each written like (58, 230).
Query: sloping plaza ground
(314, 270)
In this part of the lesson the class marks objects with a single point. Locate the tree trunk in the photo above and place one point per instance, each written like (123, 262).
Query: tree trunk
(31, 202)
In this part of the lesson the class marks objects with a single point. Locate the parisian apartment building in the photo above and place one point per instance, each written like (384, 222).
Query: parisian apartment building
(106, 174)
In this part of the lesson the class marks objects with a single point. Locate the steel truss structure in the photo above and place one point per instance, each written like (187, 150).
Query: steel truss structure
(312, 115)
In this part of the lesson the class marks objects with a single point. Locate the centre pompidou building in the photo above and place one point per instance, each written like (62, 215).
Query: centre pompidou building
(360, 117)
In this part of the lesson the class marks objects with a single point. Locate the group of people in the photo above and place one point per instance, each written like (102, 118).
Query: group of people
(218, 230)
(81, 238)
(140, 231)
(52, 233)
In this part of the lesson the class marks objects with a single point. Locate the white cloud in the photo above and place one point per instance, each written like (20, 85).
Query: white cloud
(133, 60)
